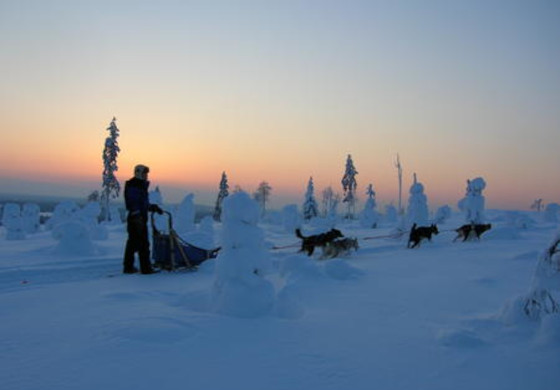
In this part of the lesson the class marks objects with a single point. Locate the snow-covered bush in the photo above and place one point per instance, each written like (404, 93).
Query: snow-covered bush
(13, 222)
(240, 288)
(73, 238)
(417, 211)
(31, 217)
(442, 214)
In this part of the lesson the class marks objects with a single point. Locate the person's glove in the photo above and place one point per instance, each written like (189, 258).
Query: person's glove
(154, 208)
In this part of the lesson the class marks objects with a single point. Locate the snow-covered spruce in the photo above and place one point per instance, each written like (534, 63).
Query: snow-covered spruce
(110, 184)
(417, 210)
(222, 194)
(349, 187)
(369, 218)
(473, 202)
(310, 207)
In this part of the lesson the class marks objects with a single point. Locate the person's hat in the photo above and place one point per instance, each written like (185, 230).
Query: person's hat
(140, 170)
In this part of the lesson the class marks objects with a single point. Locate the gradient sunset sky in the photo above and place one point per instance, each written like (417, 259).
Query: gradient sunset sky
(281, 91)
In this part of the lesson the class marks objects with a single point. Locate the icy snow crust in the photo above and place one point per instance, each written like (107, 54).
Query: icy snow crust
(443, 316)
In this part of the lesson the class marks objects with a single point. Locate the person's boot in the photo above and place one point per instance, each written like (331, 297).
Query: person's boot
(132, 270)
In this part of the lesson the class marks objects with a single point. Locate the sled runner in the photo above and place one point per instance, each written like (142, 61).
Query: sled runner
(169, 251)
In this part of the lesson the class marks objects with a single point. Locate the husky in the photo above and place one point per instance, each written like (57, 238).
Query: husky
(418, 234)
(309, 243)
(339, 247)
(471, 231)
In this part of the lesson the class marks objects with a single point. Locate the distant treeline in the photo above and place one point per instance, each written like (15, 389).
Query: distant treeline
(48, 203)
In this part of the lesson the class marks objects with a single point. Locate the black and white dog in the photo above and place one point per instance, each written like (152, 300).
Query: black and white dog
(471, 231)
(309, 243)
(339, 247)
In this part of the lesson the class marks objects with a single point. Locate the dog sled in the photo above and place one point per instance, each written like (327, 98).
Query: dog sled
(170, 252)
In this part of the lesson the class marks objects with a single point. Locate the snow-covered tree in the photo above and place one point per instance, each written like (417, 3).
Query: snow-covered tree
(13, 222)
(327, 200)
(224, 192)
(262, 195)
(537, 205)
(369, 217)
(349, 186)
(63, 212)
(473, 202)
(31, 217)
(391, 213)
(539, 301)
(184, 215)
(110, 185)
(399, 173)
(330, 202)
(310, 208)
(240, 287)
(417, 211)
(93, 197)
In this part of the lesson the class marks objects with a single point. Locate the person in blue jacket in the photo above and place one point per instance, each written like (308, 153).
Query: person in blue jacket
(138, 206)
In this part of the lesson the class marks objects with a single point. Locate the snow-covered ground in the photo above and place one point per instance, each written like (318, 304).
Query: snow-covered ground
(386, 317)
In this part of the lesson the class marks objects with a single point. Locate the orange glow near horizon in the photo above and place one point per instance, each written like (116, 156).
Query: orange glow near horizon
(279, 99)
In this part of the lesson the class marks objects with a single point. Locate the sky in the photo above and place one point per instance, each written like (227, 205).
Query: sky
(281, 91)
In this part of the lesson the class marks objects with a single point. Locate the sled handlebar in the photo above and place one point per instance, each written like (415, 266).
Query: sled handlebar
(169, 220)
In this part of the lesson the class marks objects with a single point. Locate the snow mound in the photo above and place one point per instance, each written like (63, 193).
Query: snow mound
(288, 304)
(250, 297)
(299, 267)
(459, 338)
(341, 270)
(549, 331)
(513, 311)
(503, 233)
(154, 331)
(73, 239)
